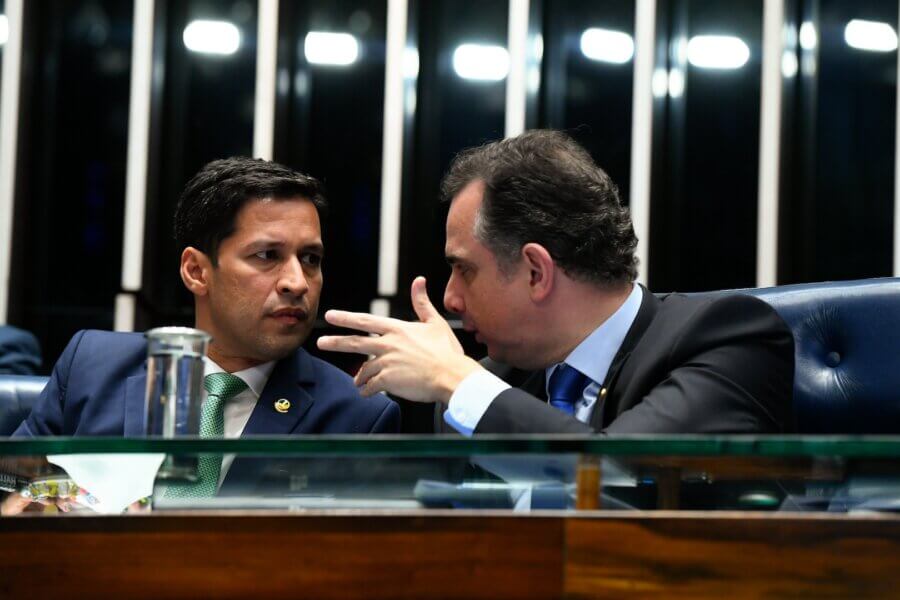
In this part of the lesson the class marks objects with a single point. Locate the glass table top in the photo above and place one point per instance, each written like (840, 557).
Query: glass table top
(520, 474)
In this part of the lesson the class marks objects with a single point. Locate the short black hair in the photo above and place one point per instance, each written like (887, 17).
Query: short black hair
(213, 197)
(543, 187)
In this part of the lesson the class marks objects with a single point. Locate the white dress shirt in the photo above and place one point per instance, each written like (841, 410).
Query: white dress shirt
(592, 357)
(239, 407)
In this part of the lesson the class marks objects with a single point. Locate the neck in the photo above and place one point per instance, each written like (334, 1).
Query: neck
(229, 362)
(582, 308)
(220, 354)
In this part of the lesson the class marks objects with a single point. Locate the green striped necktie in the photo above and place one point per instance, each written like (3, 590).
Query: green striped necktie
(220, 387)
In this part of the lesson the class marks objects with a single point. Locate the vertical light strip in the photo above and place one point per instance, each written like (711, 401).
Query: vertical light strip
(266, 69)
(380, 307)
(897, 171)
(9, 136)
(642, 128)
(136, 169)
(516, 82)
(769, 144)
(392, 149)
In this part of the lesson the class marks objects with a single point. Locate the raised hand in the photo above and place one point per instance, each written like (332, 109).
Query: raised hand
(420, 361)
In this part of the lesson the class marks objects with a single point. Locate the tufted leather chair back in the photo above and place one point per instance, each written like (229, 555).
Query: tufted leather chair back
(847, 348)
(18, 393)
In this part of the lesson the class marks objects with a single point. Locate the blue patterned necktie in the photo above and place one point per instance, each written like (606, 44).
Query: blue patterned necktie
(566, 388)
(220, 387)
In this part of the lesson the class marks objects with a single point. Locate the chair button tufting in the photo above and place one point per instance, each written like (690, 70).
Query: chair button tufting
(833, 359)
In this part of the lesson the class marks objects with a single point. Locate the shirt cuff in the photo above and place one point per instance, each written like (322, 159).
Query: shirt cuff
(471, 400)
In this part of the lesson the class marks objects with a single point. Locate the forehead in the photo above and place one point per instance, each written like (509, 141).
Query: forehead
(461, 219)
(291, 214)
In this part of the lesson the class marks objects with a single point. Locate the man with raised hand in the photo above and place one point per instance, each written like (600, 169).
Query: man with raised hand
(543, 273)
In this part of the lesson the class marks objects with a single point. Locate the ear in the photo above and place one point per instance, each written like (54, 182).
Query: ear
(195, 271)
(542, 271)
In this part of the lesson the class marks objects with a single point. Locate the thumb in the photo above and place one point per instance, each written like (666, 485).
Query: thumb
(421, 304)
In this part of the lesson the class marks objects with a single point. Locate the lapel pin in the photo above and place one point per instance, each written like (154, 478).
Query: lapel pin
(282, 405)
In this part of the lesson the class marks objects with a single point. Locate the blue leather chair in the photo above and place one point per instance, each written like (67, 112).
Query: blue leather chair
(18, 394)
(847, 349)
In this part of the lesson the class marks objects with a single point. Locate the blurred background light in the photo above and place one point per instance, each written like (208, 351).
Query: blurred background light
(607, 45)
(330, 48)
(789, 64)
(676, 83)
(873, 36)
(717, 52)
(808, 36)
(660, 83)
(481, 62)
(410, 63)
(212, 37)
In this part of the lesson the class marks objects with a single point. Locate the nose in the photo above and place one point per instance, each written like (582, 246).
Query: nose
(453, 300)
(292, 279)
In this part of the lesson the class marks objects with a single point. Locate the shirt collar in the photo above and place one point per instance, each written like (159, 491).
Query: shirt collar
(594, 355)
(255, 377)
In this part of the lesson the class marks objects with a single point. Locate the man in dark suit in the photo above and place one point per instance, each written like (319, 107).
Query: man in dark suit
(543, 270)
(252, 251)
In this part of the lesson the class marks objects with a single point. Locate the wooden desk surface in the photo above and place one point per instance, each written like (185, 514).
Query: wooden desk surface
(451, 554)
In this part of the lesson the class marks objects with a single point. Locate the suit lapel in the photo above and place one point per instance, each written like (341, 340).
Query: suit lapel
(645, 316)
(287, 382)
(135, 405)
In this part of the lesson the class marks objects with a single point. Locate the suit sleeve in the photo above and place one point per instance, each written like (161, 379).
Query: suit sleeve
(516, 411)
(731, 371)
(48, 415)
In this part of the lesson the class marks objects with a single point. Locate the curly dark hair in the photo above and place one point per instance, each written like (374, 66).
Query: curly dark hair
(212, 199)
(543, 187)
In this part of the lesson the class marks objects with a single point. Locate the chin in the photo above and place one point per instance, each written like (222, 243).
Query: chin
(276, 349)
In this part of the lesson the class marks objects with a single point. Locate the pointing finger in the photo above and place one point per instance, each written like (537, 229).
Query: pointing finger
(357, 344)
(361, 321)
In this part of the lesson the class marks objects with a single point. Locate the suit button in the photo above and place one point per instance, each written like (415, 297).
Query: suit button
(833, 359)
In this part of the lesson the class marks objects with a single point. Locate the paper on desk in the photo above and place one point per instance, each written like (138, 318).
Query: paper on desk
(114, 480)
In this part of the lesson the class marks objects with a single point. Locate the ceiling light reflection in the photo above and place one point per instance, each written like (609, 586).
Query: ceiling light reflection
(330, 48)
(873, 36)
(607, 45)
(212, 37)
(717, 52)
(481, 62)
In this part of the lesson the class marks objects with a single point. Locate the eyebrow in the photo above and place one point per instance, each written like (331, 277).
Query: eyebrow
(272, 243)
(453, 259)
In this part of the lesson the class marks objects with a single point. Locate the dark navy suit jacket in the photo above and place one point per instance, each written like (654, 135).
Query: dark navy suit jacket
(98, 384)
(702, 364)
